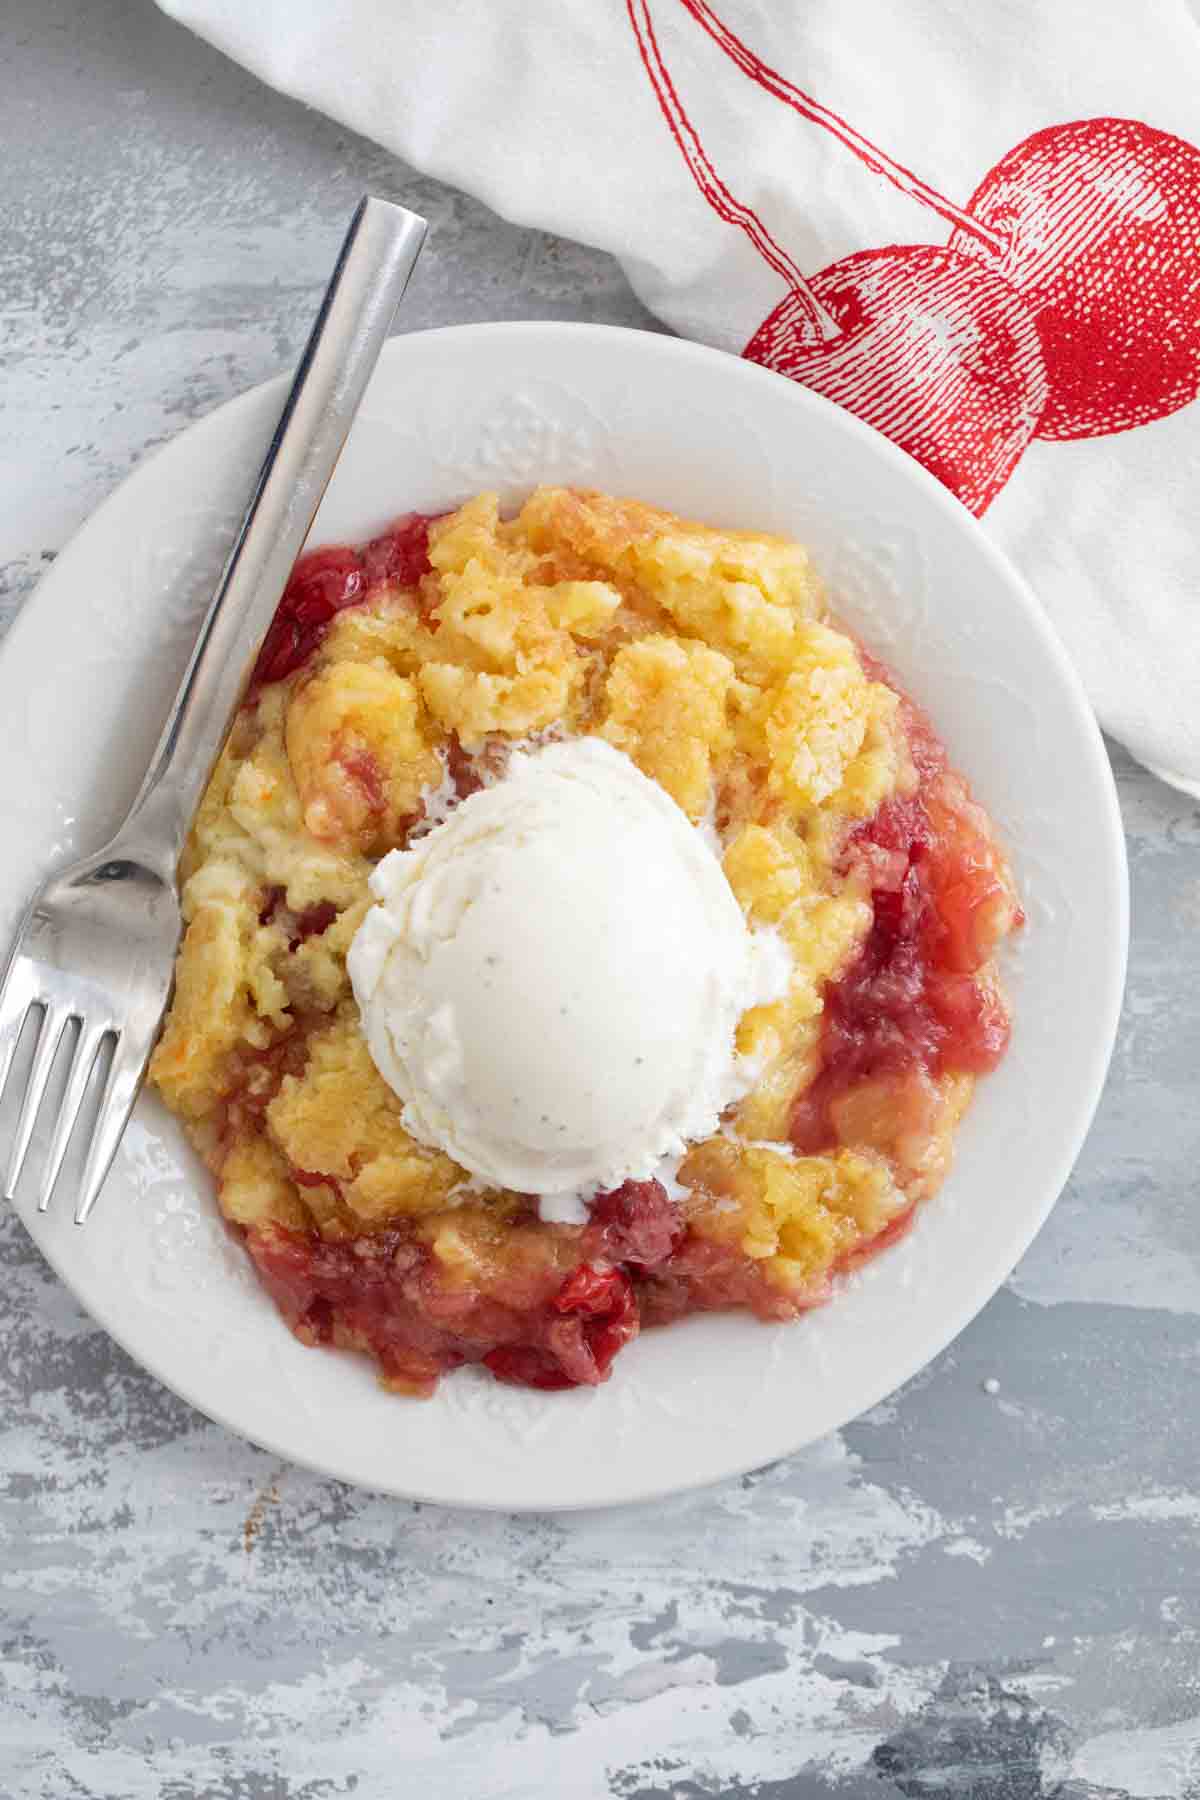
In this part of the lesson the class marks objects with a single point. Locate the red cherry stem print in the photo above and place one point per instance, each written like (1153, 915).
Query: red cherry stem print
(722, 201)
(875, 159)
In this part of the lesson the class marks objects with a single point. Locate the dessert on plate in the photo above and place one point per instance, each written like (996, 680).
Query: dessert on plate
(582, 931)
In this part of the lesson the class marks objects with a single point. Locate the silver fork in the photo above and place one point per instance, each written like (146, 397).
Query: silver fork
(95, 951)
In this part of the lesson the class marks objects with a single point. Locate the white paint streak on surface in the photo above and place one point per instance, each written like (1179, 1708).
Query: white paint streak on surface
(1153, 1509)
(1152, 1763)
(968, 1547)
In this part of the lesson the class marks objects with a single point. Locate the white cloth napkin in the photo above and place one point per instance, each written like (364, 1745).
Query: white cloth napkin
(978, 227)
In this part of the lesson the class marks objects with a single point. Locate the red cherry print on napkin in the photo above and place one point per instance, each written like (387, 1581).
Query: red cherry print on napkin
(1096, 222)
(1090, 325)
(935, 350)
(1101, 219)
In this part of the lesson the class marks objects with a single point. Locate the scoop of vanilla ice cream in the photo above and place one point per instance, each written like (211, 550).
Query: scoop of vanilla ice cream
(552, 978)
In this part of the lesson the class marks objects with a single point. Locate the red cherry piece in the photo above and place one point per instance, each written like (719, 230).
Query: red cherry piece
(1102, 218)
(399, 556)
(313, 1178)
(599, 1316)
(937, 351)
(472, 770)
(463, 769)
(365, 771)
(273, 899)
(314, 920)
(638, 1223)
(326, 581)
(320, 585)
(589, 1290)
(309, 923)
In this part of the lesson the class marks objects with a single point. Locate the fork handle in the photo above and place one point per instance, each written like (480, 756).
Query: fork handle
(372, 271)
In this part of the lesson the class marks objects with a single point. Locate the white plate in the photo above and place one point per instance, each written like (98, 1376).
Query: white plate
(84, 683)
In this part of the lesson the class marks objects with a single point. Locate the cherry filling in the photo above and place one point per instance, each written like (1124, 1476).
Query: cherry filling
(255, 1079)
(911, 999)
(325, 582)
(637, 1223)
(357, 1291)
(311, 922)
(365, 772)
(315, 919)
(597, 1316)
(384, 1293)
(471, 770)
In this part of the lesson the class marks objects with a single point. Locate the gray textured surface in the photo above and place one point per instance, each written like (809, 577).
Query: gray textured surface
(986, 1595)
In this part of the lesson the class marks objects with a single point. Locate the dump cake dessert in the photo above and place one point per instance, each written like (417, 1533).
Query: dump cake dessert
(581, 931)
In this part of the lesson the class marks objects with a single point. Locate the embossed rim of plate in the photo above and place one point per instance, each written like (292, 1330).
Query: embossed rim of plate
(706, 433)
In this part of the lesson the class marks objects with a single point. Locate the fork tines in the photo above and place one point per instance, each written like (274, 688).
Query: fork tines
(29, 988)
